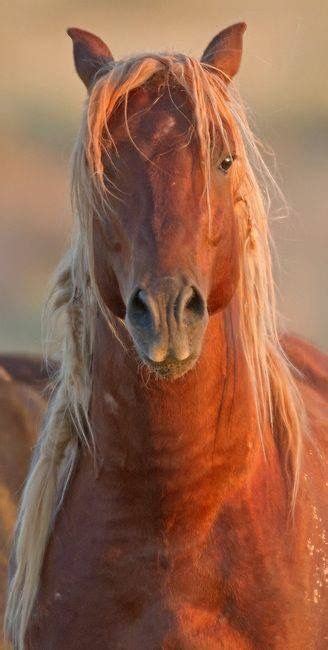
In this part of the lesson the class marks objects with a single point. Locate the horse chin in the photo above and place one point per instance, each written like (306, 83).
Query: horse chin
(170, 369)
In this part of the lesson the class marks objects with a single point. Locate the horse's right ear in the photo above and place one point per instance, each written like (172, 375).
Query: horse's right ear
(90, 54)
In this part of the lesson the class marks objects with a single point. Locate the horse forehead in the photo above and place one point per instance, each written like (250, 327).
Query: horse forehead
(156, 114)
(161, 125)
(166, 124)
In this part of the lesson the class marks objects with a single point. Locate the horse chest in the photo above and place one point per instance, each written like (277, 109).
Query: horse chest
(154, 601)
(110, 583)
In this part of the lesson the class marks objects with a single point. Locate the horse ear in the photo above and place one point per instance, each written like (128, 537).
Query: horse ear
(90, 54)
(225, 50)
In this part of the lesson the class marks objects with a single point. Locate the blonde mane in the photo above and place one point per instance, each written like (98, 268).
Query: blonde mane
(75, 300)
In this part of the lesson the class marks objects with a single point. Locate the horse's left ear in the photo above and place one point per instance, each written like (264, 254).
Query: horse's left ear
(90, 54)
(225, 50)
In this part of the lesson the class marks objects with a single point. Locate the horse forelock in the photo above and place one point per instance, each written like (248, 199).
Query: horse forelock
(201, 85)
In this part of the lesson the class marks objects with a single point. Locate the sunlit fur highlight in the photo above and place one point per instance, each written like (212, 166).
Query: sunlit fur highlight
(75, 300)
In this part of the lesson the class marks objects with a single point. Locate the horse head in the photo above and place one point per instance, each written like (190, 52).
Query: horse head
(161, 154)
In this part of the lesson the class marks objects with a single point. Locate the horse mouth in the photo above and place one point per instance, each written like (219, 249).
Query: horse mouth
(170, 368)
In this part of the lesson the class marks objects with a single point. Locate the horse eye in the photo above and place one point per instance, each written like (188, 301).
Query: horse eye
(226, 163)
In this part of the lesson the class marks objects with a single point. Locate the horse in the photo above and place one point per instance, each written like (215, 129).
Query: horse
(177, 498)
(22, 406)
(26, 369)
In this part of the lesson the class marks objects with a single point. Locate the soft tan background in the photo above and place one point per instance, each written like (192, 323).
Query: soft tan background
(284, 79)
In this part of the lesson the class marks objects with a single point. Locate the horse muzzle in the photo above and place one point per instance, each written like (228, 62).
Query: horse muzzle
(167, 322)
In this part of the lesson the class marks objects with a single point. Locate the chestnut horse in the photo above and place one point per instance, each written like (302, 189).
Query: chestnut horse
(177, 497)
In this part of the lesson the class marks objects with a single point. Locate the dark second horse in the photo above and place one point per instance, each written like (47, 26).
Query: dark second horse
(22, 406)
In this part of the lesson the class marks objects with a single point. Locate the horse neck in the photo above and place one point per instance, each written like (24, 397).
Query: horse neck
(185, 442)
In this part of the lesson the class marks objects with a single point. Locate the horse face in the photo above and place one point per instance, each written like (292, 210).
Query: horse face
(162, 262)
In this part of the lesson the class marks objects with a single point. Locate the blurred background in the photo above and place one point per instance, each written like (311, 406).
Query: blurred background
(283, 80)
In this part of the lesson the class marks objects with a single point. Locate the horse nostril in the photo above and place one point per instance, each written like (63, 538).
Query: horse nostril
(138, 310)
(139, 304)
(195, 303)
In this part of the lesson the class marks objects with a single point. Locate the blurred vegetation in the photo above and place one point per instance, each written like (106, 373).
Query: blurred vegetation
(283, 80)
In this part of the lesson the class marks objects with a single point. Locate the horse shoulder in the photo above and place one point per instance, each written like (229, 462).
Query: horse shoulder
(311, 374)
(311, 363)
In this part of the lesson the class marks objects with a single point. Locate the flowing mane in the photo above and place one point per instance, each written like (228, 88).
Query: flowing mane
(75, 300)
